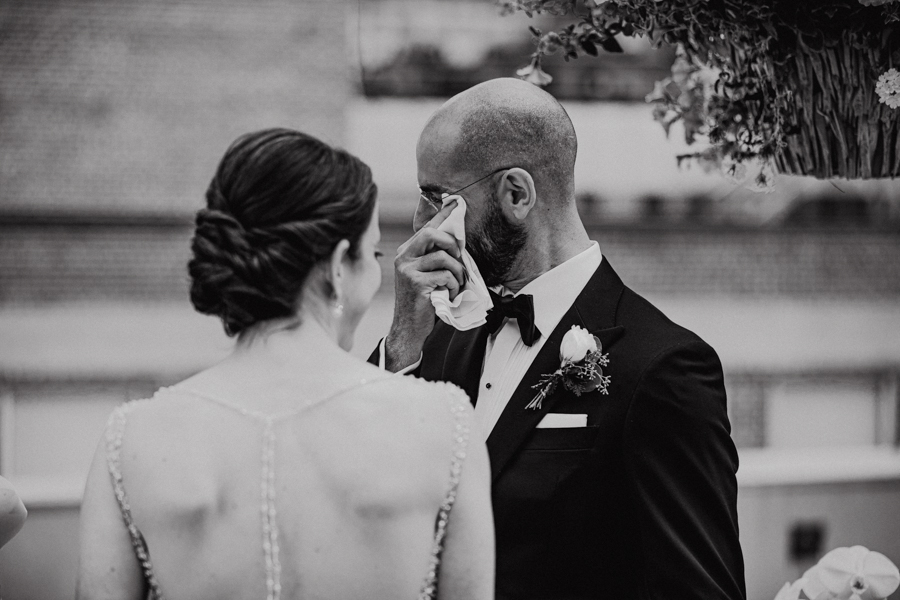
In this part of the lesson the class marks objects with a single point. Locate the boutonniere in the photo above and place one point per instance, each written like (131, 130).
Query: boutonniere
(582, 358)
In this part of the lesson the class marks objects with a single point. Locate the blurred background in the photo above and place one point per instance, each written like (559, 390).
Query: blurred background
(113, 116)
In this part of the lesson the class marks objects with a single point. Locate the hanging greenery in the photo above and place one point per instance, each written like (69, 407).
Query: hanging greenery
(805, 87)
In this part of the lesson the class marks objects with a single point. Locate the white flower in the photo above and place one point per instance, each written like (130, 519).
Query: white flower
(575, 345)
(888, 88)
(659, 92)
(707, 75)
(791, 591)
(533, 73)
(852, 574)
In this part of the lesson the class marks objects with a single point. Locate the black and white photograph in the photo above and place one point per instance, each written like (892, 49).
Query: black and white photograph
(450, 299)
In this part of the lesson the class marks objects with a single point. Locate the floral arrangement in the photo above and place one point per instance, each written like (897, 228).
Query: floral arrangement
(805, 86)
(581, 369)
(845, 574)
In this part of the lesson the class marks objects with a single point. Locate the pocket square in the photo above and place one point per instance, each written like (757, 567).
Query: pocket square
(560, 420)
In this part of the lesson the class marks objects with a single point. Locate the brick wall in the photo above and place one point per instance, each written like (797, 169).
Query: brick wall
(705, 260)
(47, 260)
(73, 259)
(843, 263)
(127, 106)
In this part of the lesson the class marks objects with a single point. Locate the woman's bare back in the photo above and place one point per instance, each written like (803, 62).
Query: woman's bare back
(338, 499)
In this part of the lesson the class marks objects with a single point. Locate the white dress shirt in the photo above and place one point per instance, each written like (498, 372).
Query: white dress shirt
(507, 358)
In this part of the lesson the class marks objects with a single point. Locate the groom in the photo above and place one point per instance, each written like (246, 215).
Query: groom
(625, 495)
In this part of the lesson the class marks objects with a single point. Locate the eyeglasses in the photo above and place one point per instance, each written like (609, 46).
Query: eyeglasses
(436, 199)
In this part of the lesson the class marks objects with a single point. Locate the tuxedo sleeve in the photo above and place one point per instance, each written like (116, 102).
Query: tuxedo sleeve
(377, 358)
(682, 465)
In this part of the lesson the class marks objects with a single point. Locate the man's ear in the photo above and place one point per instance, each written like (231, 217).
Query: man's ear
(336, 269)
(516, 193)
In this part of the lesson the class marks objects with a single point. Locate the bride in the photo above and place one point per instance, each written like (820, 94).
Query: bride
(12, 512)
(291, 469)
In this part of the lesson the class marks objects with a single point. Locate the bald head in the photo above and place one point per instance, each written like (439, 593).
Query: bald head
(507, 123)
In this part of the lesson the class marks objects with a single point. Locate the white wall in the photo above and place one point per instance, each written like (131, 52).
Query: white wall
(623, 155)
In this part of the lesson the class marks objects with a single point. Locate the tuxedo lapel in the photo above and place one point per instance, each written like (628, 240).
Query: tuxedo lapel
(460, 360)
(595, 310)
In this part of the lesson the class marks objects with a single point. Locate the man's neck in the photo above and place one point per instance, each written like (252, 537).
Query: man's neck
(545, 252)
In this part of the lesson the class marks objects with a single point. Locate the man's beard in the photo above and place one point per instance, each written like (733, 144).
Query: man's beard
(495, 244)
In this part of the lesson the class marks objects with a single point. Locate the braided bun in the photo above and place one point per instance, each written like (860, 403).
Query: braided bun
(279, 203)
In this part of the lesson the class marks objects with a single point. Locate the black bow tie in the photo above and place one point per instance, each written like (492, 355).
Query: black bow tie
(520, 308)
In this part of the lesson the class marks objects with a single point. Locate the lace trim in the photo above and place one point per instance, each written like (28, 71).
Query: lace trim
(268, 417)
(115, 430)
(269, 515)
(459, 402)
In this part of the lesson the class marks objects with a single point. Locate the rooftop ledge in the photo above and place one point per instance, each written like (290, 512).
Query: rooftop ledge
(759, 468)
(807, 466)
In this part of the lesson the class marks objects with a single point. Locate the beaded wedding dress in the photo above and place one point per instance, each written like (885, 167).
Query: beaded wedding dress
(457, 399)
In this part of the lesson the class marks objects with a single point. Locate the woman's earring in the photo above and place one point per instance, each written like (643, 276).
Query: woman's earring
(337, 309)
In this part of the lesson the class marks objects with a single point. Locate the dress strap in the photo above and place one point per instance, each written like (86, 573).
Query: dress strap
(269, 417)
(115, 430)
(460, 408)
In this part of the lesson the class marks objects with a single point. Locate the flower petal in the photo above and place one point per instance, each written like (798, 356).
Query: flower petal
(576, 344)
(836, 568)
(785, 593)
(658, 94)
(533, 73)
(881, 574)
(812, 584)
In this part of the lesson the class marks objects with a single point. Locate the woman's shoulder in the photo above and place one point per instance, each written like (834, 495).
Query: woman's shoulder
(412, 394)
(12, 512)
(9, 499)
(409, 408)
(122, 413)
(160, 403)
(402, 427)
(377, 383)
(416, 388)
(157, 421)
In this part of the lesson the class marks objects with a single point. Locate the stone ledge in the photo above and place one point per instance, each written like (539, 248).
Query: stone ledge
(811, 466)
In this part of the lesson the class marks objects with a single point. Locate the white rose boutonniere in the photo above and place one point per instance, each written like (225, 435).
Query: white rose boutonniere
(575, 345)
(581, 368)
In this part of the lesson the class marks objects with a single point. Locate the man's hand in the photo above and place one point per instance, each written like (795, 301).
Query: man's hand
(429, 260)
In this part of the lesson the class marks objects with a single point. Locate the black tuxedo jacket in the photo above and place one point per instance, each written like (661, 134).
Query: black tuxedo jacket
(641, 503)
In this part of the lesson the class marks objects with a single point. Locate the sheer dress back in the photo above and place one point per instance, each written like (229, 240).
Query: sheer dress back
(270, 463)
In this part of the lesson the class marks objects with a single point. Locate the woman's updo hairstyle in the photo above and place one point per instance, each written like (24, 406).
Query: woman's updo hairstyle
(280, 201)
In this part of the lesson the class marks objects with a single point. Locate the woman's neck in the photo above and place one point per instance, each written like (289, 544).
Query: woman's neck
(295, 343)
(275, 361)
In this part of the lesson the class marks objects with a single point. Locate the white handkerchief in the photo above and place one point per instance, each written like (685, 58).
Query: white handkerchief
(559, 420)
(469, 309)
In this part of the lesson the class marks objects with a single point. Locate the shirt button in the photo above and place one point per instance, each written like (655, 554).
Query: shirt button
(487, 385)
